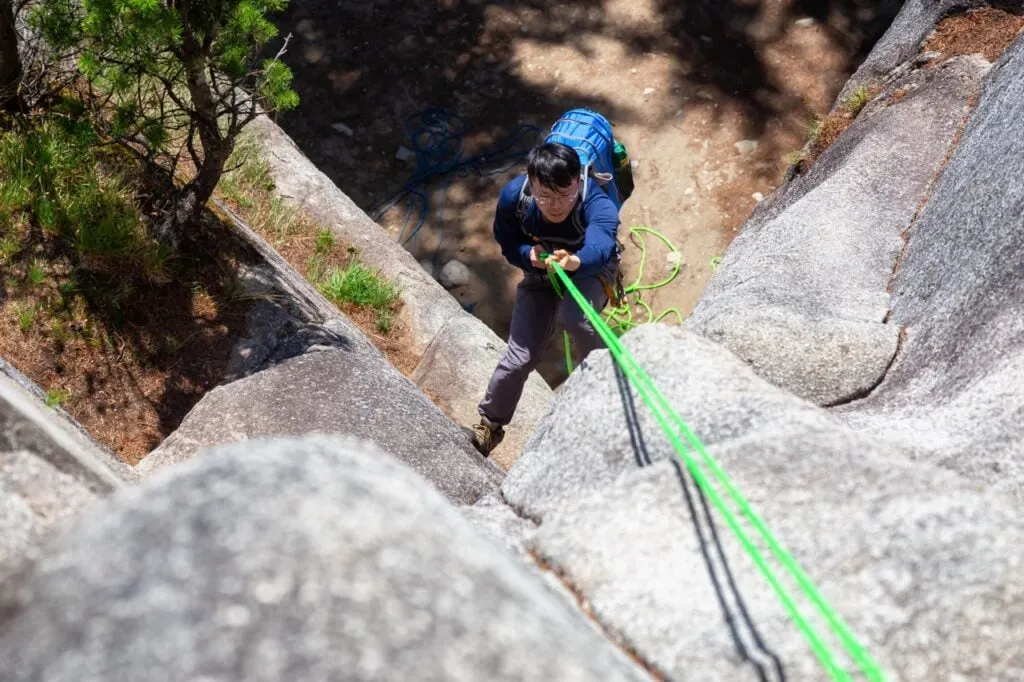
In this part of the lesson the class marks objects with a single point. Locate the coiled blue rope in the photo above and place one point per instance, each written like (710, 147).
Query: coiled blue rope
(437, 137)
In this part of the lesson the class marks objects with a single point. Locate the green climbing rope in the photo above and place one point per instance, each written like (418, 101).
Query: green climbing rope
(621, 318)
(677, 430)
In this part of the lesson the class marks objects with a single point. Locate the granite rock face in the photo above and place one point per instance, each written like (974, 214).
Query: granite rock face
(923, 565)
(292, 559)
(954, 395)
(802, 292)
(337, 390)
(49, 474)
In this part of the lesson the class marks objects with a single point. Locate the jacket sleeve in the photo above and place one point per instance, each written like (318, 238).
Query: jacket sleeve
(602, 226)
(514, 245)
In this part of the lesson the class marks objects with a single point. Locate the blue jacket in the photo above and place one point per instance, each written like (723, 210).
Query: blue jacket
(600, 217)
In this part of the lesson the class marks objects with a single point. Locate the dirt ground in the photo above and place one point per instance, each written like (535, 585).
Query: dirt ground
(126, 358)
(707, 96)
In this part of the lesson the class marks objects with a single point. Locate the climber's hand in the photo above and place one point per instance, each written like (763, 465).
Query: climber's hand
(569, 262)
(535, 260)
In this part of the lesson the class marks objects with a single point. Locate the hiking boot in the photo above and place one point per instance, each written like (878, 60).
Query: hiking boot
(486, 435)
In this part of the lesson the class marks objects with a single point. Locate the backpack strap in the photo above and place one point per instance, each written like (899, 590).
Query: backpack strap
(526, 200)
(523, 206)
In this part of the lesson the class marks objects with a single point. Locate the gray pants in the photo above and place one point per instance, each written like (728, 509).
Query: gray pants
(533, 320)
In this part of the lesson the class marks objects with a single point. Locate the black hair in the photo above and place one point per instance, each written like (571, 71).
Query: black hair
(554, 165)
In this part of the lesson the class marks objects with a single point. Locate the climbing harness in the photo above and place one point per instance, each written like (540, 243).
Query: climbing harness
(699, 462)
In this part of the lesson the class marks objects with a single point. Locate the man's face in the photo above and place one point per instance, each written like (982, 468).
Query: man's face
(555, 205)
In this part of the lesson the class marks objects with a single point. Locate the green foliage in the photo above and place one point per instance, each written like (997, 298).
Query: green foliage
(814, 126)
(857, 100)
(57, 396)
(793, 158)
(385, 322)
(248, 173)
(68, 288)
(277, 86)
(36, 274)
(315, 269)
(324, 241)
(58, 332)
(10, 246)
(49, 175)
(173, 67)
(358, 285)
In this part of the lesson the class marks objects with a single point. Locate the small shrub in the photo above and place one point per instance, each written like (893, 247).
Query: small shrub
(57, 396)
(324, 241)
(385, 322)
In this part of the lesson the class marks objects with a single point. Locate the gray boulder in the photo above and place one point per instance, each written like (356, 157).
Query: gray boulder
(802, 292)
(954, 395)
(923, 565)
(315, 559)
(49, 473)
(336, 390)
(454, 274)
(594, 406)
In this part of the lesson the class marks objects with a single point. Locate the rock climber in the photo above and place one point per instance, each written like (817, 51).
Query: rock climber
(544, 211)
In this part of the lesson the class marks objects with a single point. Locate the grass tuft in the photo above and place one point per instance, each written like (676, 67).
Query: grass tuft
(857, 100)
(324, 241)
(36, 274)
(26, 315)
(359, 285)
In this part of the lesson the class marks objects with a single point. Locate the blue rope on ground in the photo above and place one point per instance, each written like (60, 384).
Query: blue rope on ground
(437, 137)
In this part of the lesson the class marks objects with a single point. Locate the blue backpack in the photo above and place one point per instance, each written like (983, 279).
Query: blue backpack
(590, 134)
